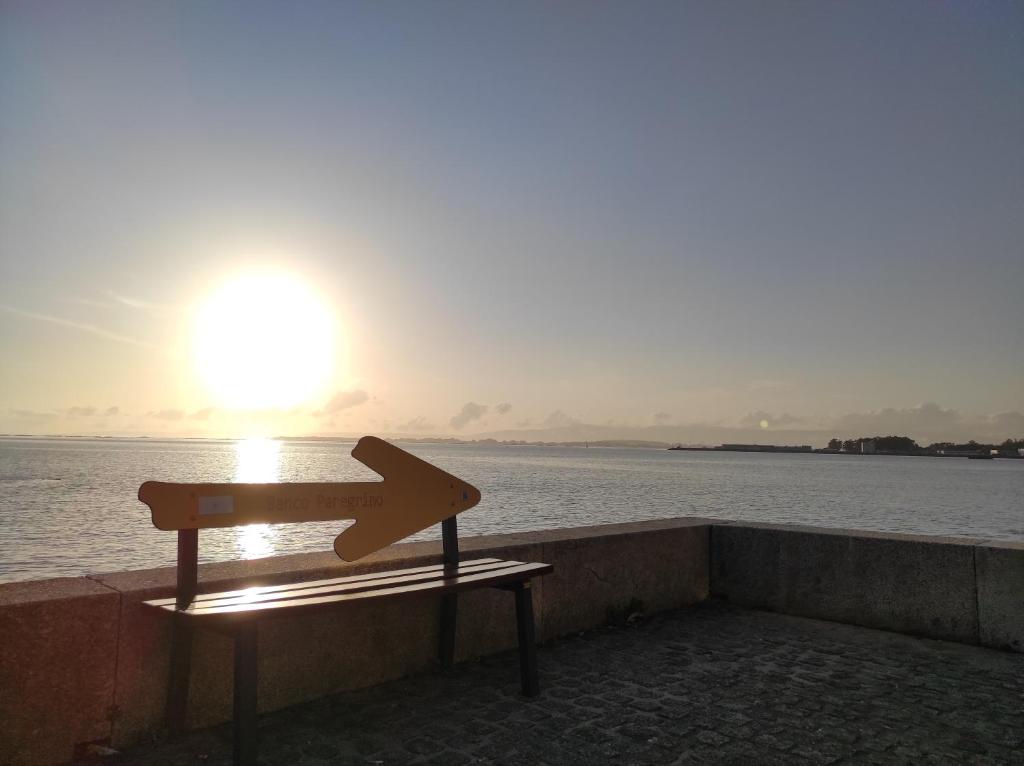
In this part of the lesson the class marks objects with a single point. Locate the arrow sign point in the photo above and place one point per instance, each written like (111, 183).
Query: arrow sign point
(416, 495)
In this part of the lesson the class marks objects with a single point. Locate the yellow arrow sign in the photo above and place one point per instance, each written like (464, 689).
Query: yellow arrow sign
(413, 496)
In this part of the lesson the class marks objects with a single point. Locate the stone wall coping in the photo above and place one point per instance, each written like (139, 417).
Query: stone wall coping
(1012, 545)
(867, 534)
(55, 589)
(144, 583)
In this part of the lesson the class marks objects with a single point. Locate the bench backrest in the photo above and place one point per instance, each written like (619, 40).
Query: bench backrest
(414, 495)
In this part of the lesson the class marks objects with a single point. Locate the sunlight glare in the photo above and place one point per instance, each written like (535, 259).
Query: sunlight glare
(248, 595)
(255, 541)
(264, 340)
(258, 461)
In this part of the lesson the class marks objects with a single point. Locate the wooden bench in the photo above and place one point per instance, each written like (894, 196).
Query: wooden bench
(412, 489)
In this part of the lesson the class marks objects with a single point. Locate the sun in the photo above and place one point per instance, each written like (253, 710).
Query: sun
(264, 341)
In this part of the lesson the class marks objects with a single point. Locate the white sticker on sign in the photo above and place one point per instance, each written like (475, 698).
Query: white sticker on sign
(210, 506)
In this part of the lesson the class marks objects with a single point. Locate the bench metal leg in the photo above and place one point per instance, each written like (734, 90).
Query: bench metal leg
(449, 610)
(245, 719)
(449, 602)
(178, 679)
(527, 640)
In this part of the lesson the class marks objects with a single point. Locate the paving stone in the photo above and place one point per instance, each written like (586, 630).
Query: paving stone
(712, 684)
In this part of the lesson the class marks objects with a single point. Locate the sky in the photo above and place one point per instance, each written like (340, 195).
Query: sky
(773, 221)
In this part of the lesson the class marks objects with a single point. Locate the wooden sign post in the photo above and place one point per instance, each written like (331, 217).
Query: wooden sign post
(413, 496)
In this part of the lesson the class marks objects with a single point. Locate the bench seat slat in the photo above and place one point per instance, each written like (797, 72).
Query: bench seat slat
(366, 577)
(438, 584)
(304, 590)
(519, 572)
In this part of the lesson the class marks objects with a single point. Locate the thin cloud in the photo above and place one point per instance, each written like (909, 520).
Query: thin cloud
(417, 424)
(168, 414)
(1011, 423)
(80, 326)
(559, 419)
(344, 400)
(203, 414)
(470, 411)
(757, 418)
(33, 415)
(92, 303)
(503, 408)
(928, 418)
(80, 412)
(138, 303)
(111, 411)
(931, 422)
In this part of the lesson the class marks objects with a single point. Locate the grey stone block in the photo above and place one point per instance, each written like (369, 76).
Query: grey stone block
(1000, 572)
(600, 577)
(910, 584)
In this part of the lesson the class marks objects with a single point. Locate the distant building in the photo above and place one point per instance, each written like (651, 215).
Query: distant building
(867, 447)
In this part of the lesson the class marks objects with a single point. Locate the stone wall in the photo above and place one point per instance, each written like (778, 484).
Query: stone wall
(958, 589)
(81, 661)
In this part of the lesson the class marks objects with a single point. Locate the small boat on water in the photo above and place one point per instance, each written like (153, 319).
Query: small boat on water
(981, 456)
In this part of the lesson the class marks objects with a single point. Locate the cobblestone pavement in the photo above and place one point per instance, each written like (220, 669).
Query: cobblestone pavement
(714, 684)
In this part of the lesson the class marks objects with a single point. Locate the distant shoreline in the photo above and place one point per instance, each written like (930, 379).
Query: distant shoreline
(601, 444)
(779, 449)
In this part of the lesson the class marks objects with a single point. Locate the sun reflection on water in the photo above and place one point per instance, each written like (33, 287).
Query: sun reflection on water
(258, 461)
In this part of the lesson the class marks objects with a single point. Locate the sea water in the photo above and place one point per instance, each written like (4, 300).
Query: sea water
(68, 506)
